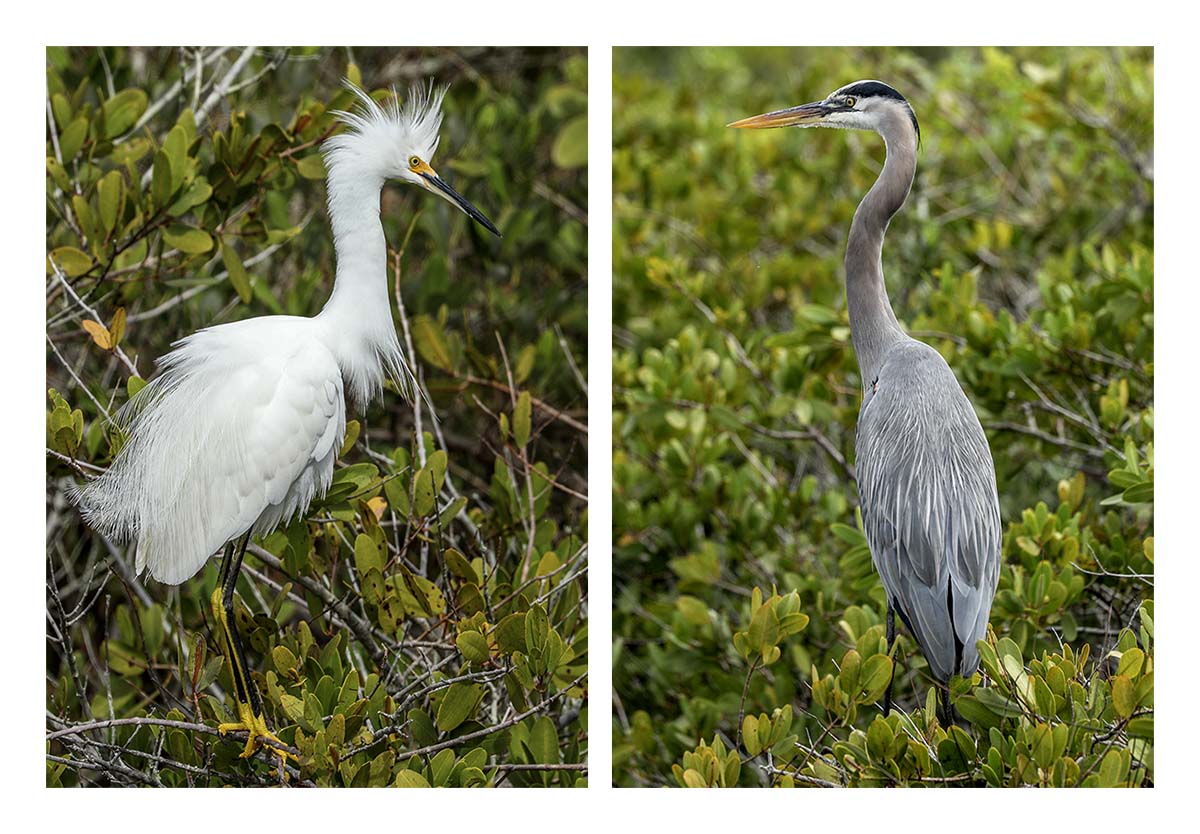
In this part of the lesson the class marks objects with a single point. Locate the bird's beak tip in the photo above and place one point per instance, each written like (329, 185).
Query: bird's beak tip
(802, 116)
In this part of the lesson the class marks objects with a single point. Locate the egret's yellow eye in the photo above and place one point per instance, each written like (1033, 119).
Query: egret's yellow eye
(415, 162)
(849, 101)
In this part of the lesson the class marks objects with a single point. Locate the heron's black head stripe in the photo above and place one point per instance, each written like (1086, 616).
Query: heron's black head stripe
(867, 89)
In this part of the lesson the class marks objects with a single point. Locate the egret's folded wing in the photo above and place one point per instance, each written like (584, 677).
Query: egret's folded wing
(232, 435)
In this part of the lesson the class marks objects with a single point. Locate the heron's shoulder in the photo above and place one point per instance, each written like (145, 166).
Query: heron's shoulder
(917, 394)
(910, 357)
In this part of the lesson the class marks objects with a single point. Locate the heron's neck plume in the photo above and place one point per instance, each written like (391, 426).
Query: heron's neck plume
(873, 325)
(358, 316)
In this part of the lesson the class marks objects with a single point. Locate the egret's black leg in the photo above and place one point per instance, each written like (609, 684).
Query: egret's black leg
(247, 692)
(891, 641)
(249, 704)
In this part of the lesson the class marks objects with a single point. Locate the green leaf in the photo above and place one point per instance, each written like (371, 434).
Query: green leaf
(1140, 493)
(1124, 701)
(197, 193)
(458, 704)
(473, 646)
(750, 735)
(187, 239)
(366, 554)
(431, 343)
(570, 149)
(410, 779)
(437, 462)
(537, 627)
(283, 658)
(109, 191)
(543, 741)
(72, 138)
(873, 680)
(522, 420)
(311, 167)
(510, 634)
(239, 279)
(160, 183)
(1131, 662)
(423, 494)
(123, 110)
(175, 148)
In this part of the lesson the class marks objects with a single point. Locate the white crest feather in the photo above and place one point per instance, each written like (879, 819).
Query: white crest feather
(384, 136)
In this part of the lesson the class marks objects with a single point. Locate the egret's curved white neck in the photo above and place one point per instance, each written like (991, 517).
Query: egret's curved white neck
(357, 318)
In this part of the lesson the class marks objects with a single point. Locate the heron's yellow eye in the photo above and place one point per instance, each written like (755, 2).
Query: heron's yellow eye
(849, 101)
(415, 162)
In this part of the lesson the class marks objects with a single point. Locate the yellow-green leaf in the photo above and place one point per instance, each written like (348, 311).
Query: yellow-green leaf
(570, 149)
(410, 779)
(123, 110)
(311, 167)
(423, 492)
(109, 192)
(239, 279)
(521, 420)
(116, 327)
(187, 239)
(1122, 696)
(431, 342)
(71, 261)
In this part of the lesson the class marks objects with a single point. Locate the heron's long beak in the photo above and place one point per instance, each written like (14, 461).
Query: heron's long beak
(440, 187)
(803, 116)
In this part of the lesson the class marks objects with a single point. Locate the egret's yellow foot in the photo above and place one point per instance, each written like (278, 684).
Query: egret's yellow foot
(257, 728)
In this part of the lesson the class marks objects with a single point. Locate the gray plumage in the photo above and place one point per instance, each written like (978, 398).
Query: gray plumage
(926, 481)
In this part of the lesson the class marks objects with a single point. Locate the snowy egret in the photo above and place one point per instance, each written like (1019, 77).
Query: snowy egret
(239, 431)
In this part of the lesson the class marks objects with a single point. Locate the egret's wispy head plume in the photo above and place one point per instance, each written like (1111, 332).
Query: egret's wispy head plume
(386, 135)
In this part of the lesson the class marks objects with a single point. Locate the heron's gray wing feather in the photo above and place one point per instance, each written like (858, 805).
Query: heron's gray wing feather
(928, 491)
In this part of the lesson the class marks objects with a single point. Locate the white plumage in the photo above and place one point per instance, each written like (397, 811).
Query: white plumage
(240, 430)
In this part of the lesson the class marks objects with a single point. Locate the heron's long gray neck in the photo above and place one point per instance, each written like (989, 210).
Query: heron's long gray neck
(873, 325)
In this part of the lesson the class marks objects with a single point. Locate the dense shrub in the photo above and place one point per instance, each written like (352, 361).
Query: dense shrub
(426, 622)
(748, 619)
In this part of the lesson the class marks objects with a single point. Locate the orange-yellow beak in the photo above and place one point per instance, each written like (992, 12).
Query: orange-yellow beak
(805, 114)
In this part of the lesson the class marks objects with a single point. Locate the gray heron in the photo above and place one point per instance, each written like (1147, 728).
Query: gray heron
(926, 480)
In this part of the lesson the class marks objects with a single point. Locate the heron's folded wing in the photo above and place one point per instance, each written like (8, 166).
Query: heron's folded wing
(928, 493)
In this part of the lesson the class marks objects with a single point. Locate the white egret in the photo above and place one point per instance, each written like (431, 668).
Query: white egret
(239, 431)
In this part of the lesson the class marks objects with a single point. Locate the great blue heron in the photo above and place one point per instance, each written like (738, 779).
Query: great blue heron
(240, 430)
(926, 481)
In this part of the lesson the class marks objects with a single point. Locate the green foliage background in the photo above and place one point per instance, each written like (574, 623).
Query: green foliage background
(427, 622)
(748, 620)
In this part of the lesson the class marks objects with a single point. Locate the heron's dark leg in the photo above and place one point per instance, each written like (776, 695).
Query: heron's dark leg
(250, 707)
(891, 641)
(947, 710)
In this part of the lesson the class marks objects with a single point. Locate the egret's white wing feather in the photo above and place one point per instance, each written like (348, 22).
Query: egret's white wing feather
(239, 432)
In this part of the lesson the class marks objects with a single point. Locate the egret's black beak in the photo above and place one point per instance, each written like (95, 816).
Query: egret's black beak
(439, 185)
(804, 115)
